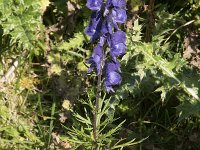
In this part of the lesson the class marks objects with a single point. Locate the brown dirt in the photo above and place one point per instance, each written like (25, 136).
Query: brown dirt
(192, 49)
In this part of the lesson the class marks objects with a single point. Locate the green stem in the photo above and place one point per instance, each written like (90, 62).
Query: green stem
(96, 107)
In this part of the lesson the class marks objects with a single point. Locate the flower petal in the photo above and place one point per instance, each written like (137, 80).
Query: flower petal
(118, 37)
(113, 66)
(95, 26)
(94, 4)
(119, 3)
(119, 15)
(117, 50)
(112, 76)
(91, 29)
(118, 46)
(95, 59)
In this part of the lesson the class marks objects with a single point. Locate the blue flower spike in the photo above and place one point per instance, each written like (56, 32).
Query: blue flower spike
(103, 28)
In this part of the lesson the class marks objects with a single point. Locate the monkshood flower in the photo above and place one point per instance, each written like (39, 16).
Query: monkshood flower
(95, 26)
(112, 75)
(104, 28)
(119, 3)
(94, 4)
(95, 59)
(119, 15)
(118, 45)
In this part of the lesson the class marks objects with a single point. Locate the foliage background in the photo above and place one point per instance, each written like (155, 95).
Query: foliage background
(43, 75)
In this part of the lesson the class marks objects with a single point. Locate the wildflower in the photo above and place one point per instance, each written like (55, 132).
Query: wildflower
(118, 46)
(103, 27)
(94, 26)
(119, 15)
(94, 4)
(119, 3)
(96, 58)
(112, 76)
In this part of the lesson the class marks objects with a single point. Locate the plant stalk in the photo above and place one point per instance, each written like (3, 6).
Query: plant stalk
(96, 107)
(150, 21)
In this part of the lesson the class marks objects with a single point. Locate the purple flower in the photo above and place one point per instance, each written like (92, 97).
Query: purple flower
(112, 23)
(102, 41)
(103, 26)
(108, 3)
(94, 4)
(119, 37)
(94, 27)
(119, 15)
(112, 76)
(106, 27)
(95, 59)
(118, 46)
(119, 3)
(117, 50)
(113, 66)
